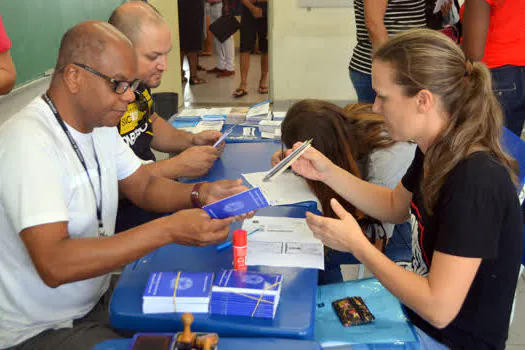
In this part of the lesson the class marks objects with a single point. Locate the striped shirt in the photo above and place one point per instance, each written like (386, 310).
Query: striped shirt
(400, 16)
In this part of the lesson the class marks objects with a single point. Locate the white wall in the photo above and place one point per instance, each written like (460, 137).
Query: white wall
(310, 51)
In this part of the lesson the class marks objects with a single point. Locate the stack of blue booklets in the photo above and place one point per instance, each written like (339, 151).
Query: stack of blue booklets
(177, 292)
(246, 293)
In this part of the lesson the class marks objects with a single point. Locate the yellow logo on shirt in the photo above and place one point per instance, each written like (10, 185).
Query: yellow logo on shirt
(133, 117)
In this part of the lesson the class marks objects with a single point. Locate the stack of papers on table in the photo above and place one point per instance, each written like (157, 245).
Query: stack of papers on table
(192, 113)
(246, 293)
(177, 292)
(278, 115)
(237, 115)
(282, 241)
(258, 112)
(270, 129)
(217, 113)
(208, 125)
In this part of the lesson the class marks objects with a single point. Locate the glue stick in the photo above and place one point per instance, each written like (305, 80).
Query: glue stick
(240, 240)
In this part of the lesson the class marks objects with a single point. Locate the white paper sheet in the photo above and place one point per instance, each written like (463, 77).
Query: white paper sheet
(282, 241)
(278, 115)
(218, 111)
(192, 112)
(257, 110)
(208, 125)
(297, 189)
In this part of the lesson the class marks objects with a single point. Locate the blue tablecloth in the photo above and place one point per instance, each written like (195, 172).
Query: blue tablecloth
(390, 326)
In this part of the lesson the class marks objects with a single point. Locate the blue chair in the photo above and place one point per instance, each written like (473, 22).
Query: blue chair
(515, 146)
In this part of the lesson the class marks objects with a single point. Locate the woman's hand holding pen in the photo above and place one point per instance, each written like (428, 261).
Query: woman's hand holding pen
(312, 164)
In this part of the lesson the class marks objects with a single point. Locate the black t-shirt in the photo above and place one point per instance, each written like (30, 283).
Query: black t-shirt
(135, 125)
(477, 215)
(137, 131)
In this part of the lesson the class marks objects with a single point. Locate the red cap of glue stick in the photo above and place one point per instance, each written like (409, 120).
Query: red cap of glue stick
(240, 240)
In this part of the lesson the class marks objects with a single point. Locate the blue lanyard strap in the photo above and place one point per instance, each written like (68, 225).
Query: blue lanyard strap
(98, 204)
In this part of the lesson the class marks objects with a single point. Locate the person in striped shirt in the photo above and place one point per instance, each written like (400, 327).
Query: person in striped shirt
(375, 21)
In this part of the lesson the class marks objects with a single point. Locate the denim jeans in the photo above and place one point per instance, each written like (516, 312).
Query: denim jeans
(509, 87)
(426, 342)
(363, 86)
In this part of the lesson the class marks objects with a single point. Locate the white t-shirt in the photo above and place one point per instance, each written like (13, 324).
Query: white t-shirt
(387, 166)
(42, 181)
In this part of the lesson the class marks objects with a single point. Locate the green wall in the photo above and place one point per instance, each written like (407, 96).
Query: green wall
(36, 27)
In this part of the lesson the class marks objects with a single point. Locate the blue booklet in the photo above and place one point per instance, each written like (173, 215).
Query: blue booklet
(249, 282)
(246, 293)
(192, 287)
(249, 311)
(237, 204)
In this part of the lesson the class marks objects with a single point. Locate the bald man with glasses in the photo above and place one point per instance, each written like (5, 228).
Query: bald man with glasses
(63, 166)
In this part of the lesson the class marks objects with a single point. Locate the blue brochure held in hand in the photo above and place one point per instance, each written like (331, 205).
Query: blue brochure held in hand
(238, 204)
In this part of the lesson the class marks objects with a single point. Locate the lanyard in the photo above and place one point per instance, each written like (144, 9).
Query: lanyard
(101, 230)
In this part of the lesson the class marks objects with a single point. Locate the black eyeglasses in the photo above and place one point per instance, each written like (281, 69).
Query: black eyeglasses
(119, 86)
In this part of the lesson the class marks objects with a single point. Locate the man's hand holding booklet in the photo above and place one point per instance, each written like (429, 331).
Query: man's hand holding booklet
(252, 199)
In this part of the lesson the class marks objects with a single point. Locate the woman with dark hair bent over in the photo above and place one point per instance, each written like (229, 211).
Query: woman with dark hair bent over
(355, 139)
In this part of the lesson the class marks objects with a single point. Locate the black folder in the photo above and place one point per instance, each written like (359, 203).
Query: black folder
(224, 27)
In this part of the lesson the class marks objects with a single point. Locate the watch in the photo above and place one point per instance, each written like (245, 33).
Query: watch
(195, 195)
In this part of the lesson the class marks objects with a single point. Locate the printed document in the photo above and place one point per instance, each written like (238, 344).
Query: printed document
(283, 241)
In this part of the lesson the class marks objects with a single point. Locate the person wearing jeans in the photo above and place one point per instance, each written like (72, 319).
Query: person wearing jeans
(362, 83)
(509, 86)
(493, 33)
(375, 21)
(226, 50)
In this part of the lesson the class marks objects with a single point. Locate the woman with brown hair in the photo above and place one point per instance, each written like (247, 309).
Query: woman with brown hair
(461, 188)
(355, 139)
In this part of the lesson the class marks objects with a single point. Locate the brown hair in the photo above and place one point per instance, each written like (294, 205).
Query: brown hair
(346, 136)
(426, 59)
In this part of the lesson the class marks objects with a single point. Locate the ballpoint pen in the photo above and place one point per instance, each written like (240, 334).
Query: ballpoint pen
(227, 244)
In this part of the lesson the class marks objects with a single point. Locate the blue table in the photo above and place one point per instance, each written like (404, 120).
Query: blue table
(294, 317)
(231, 344)
(295, 314)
